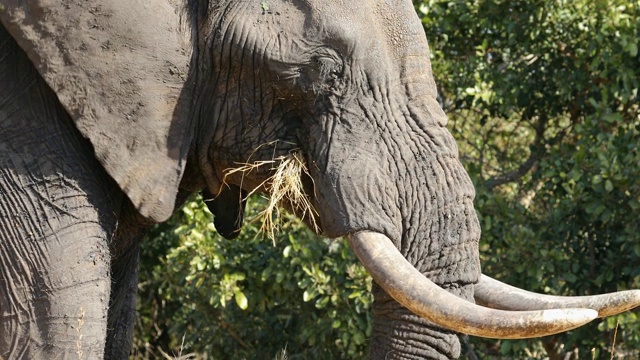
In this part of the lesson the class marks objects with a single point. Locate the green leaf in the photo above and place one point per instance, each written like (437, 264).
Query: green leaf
(608, 185)
(241, 299)
(308, 295)
(636, 249)
(358, 337)
(597, 179)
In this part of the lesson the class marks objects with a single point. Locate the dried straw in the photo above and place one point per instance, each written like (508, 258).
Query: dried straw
(283, 186)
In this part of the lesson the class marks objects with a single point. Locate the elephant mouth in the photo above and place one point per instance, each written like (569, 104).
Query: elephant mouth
(504, 312)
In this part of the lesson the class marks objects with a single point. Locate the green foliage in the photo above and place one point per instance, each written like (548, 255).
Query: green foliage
(249, 298)
(543, 98)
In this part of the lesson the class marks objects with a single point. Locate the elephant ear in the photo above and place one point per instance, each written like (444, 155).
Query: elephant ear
(118, 68)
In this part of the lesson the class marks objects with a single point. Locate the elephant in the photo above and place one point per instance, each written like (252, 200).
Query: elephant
(112, 113)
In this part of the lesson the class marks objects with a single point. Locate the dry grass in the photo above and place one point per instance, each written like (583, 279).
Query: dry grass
(613, 345)
(282, 355)
(284, 186)
(191, 356)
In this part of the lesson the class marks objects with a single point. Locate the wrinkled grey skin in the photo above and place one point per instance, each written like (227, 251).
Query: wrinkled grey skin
(347, 84)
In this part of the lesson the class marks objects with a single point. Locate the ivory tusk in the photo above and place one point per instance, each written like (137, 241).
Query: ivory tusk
(424, 298)
(498, 295)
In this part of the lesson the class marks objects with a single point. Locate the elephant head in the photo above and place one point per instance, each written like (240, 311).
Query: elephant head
(347, 86)
(343, 87)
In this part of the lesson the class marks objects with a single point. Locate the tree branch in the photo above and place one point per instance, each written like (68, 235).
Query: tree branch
(537, 151)
(515, 174)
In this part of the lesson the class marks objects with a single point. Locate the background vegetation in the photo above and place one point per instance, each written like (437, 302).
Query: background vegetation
(543, 98)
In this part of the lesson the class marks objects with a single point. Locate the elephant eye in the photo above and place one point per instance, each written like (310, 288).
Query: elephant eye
(330, 69)
(321, 74)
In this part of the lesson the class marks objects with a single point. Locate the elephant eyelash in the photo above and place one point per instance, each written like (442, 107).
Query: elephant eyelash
(320, 75)
(292, 75)
(329, 68)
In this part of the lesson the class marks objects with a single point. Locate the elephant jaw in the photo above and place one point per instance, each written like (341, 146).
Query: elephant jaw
(540, 316)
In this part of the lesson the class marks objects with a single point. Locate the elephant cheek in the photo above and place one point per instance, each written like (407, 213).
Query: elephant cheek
(357, 197)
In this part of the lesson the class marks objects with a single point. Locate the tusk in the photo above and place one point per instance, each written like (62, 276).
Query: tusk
(424, 298)
(498, 295)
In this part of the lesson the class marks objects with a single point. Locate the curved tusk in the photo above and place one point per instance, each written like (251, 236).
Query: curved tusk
(424, 298)
(498, 295)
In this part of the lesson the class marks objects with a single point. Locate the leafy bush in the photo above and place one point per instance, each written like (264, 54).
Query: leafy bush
(250, 298)
(542, 96)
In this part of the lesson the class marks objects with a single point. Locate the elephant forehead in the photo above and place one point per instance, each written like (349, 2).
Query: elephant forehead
(393, 22)
(382, 38)
(272, 30)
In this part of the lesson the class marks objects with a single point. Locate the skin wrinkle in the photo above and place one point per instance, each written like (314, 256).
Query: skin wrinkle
(442, 221)
(404, 328)
(258, 88)
(439, 222)
(204, 78)
(12, 287)
(395, 149)
(228, 34)
(41, 258)
(11, 205)
(26, 203)
(443, 248)
(450, 185)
